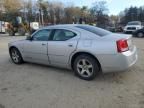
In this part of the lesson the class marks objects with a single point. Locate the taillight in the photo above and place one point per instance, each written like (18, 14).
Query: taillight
(122, 45)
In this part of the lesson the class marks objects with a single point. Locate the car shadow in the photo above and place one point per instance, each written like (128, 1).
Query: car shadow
(101, 77)
(115, 77)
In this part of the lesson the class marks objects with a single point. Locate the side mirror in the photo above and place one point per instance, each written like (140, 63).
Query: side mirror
(28, 38)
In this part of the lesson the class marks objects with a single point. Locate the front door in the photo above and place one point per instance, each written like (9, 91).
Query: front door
(61, 45)
(36, 50)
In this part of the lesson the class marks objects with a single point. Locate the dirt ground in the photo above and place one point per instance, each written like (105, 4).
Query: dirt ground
(36, 86)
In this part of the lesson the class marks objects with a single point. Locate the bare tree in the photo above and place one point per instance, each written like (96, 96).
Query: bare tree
(12, 5)
(99, 11)
(84, 11)
(71, 14)
(43, 10)
(27, 10)
(51, 13)
(59, 10)
(114, 20)
(12, 9)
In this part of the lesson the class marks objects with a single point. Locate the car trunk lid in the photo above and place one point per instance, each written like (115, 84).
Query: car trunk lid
(115, 37)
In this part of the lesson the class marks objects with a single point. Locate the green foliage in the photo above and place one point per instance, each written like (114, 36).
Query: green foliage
(132, 14)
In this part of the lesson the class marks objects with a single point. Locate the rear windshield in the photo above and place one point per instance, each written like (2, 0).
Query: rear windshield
(95, 30)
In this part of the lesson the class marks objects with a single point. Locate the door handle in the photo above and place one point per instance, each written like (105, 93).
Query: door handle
(70, 45)
(43, 44)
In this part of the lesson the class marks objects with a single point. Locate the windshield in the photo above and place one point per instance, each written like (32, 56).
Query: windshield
(95, 30)
(134, 23)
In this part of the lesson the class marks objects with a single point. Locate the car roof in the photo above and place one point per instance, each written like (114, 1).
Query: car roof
(65, 25)
(134, 22)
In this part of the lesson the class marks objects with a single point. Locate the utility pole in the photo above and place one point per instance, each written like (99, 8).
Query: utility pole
(42, 18)
(41, 13)
(25, 11)
(40, 21)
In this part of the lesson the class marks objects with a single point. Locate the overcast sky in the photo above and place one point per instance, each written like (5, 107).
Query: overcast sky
(114, 6)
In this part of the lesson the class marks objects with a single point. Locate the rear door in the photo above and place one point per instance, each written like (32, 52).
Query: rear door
(60, 46)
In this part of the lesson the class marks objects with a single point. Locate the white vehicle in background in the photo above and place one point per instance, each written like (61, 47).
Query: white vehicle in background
(2, 27)
(6, 25)
(132, 26)
(34, 26)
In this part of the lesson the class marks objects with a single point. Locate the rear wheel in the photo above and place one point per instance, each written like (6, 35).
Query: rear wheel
(16, 56)
(86, 67)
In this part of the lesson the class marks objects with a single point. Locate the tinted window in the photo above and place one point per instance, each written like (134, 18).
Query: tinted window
(41, 35)
(62, 35)
(95, 30)
(134, 23)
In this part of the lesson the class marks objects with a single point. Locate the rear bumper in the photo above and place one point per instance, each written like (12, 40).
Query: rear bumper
(119, 62)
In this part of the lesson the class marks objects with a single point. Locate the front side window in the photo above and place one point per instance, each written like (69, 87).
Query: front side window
(41, 35)
(63, 35)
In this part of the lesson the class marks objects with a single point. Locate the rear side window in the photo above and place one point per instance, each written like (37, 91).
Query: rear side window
(95, 30)
(63, 35)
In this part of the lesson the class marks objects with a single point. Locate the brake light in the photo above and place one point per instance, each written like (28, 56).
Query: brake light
(122, 45)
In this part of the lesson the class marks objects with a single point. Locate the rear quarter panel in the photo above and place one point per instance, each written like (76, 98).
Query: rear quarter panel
(103, 48)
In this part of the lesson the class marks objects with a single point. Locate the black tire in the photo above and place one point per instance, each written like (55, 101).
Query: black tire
(11, 33)
(90, 62)
(19, 57)
(21, 31)
(140, 35)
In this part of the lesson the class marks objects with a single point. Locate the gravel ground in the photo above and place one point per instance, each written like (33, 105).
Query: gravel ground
(36, 86)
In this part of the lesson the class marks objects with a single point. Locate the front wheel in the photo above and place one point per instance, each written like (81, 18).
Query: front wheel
(16, 56)
(11, 33)
(86, 67)
(140, 34)
(21, 31)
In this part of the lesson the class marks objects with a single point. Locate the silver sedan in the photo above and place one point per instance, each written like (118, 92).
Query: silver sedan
(85, 49)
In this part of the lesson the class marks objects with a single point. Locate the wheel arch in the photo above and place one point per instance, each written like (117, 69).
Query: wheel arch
(80, 53)
(11, 47)
(140, 31)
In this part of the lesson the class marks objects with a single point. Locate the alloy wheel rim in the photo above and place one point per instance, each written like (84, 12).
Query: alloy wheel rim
(84, 68)
(15, 56)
